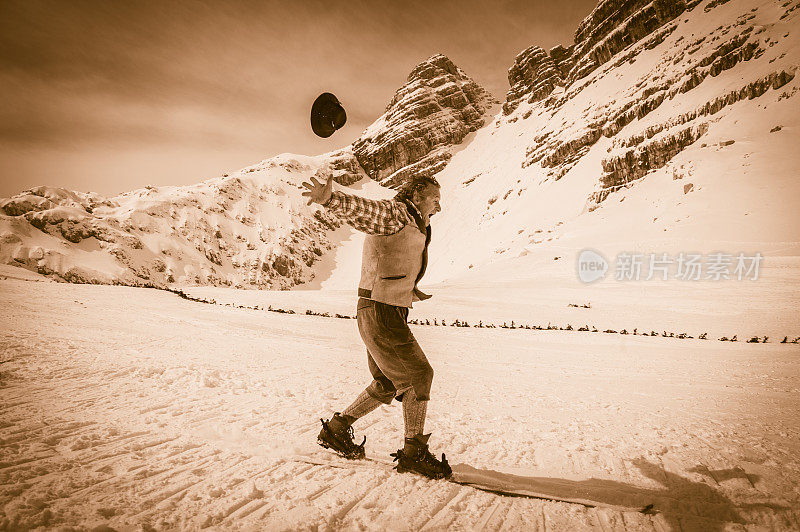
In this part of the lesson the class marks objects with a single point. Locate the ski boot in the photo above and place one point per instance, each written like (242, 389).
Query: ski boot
(337, 435)
(416, 458)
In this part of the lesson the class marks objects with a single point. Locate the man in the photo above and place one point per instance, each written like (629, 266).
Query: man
(394, 259)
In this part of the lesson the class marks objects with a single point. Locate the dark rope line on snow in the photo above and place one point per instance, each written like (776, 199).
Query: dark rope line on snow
(481, 325)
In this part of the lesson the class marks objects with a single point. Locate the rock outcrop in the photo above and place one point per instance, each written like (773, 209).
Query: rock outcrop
(614, 25)
(610, 27)
(437, 107)
(343, 166)
(647, 156)
(563, 59)
(627, 29)
(534, 75)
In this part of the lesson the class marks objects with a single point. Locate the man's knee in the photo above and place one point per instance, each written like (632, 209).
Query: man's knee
(382, 390)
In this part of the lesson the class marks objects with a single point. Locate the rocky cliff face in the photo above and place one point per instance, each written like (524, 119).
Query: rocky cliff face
(621, 31)
(616, 24)
(649, 91)
(610, 27)
(430, 114)
(534, 75)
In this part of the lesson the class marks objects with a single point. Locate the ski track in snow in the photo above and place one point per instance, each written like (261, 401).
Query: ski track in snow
(133, 408)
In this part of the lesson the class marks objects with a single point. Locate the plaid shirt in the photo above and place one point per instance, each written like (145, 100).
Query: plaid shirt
(374, 217)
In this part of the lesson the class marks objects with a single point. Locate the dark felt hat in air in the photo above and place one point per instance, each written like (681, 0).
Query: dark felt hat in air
(327, 115)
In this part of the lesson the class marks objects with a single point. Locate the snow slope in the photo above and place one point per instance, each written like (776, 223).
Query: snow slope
(134, 409)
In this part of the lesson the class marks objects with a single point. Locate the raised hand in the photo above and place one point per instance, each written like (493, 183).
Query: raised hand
(318, 192)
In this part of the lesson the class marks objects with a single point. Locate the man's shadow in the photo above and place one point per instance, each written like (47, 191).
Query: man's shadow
(684, 504)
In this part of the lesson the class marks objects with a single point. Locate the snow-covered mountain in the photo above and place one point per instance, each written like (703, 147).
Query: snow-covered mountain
(251, 228)
(246, 228)
(667, 124)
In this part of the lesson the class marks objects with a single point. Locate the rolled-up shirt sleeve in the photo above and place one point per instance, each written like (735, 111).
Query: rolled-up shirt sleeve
(374, 217)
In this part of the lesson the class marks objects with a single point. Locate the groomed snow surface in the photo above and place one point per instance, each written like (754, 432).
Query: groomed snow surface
(134, 409)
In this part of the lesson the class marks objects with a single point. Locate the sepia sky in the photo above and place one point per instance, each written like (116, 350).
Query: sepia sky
(107, 96)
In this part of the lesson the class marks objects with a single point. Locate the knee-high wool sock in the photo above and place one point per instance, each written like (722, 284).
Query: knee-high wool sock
(363, 405)
(414, 412)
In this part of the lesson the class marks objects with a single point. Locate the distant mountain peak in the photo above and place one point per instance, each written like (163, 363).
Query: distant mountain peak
(435, 65)
(431, 113)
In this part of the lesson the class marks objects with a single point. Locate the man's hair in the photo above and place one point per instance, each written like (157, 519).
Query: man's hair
(415, 184)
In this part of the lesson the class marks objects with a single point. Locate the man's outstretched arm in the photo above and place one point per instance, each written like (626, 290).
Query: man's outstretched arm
(375, 217)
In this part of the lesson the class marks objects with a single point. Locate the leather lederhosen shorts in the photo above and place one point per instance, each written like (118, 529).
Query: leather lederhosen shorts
(396, 361)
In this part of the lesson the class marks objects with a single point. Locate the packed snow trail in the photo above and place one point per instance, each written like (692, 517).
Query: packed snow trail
(135, 409)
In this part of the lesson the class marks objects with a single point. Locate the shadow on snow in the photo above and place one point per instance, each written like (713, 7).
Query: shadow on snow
(683, 503)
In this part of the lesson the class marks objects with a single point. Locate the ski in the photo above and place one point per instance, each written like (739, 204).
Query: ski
(372, 462)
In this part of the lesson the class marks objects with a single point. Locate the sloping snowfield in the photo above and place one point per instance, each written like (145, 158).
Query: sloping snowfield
(135, 409)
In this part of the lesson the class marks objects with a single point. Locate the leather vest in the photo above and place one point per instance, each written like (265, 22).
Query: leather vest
(392, 265)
